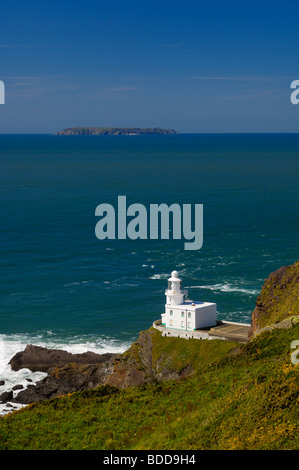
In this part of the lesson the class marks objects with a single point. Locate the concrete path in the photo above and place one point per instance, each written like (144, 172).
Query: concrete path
(230, 331)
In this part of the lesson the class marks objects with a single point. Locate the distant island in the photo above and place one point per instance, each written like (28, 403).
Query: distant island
(116, 131)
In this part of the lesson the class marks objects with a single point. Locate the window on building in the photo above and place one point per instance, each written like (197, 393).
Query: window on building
(171, 322)
(182, 314)
(171, 312)
(189, 324)
(189, 314)
(182, 324)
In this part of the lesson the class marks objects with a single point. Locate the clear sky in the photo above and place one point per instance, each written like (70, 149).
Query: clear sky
(194, 66)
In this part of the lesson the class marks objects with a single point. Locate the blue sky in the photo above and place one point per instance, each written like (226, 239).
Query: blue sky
(221, 66)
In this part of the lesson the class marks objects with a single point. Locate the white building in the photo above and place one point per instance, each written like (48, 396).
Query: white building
(183, 314)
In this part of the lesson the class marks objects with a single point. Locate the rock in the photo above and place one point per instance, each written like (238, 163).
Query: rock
(284, 324)
(63, 380)
(2, 382)
(17, 387)
(278, 300)
(135, 366)
(37, 358)
(6, 396)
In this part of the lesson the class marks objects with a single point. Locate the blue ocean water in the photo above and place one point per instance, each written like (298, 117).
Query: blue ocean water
(61, 286)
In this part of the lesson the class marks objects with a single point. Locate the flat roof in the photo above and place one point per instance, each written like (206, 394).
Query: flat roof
(190, 305)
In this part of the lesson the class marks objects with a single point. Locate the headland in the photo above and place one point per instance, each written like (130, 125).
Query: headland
(116, 131)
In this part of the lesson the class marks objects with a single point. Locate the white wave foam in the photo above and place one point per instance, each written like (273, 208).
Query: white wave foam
(226, 287)
(9, 346)
(77, 283)
(236, 316)
(159, 276)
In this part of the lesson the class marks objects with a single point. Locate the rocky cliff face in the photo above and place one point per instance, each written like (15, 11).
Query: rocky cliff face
(68, 373)
(278, 300)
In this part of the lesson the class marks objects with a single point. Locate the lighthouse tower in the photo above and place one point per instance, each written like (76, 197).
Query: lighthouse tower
(182, 314)
(174, 294)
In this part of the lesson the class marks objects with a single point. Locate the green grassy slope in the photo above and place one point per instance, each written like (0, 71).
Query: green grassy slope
(238, 397)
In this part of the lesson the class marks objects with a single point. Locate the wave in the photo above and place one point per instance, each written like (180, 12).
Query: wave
(77, 283)
(9, 346)
(160, 276)
(227, 287)
(236, 316)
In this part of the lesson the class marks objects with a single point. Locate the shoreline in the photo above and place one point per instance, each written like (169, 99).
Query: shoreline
(32, 366)
(11, 344)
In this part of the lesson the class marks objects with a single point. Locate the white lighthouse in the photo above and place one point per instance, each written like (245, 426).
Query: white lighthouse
(183, 314)
(174, 294)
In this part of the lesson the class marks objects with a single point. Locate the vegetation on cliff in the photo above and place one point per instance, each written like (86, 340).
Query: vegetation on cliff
(116, 131)
(244, 397)
(279, 298)
(194, 394)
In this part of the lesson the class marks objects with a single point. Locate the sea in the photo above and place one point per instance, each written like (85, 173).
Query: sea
(62, 287)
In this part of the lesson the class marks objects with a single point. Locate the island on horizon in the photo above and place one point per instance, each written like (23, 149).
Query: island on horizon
(116, 131)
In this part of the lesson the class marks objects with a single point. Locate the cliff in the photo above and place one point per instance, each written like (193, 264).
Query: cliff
(278, 300)
(241, 397)
(172, 393)
(150, 359)
(153, 358)
(116, 131)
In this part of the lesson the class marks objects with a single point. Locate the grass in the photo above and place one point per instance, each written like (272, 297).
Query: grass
(243, 397)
